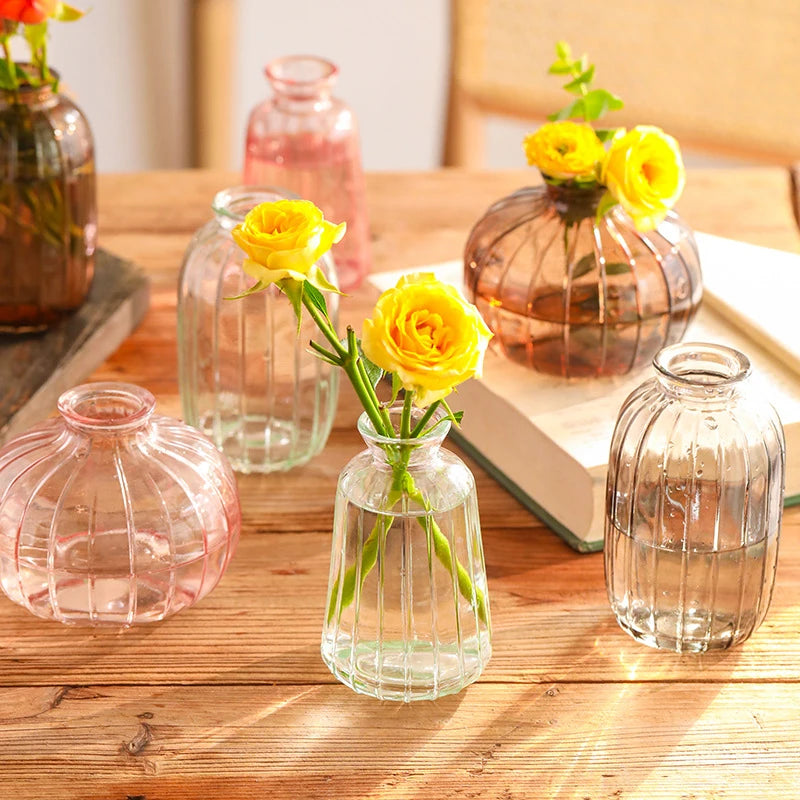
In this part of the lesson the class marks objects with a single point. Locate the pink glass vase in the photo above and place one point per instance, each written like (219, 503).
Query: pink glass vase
(304, 140)
(111, 514)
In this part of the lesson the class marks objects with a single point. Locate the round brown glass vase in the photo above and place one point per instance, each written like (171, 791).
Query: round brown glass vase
(48, 215)
(570, 295)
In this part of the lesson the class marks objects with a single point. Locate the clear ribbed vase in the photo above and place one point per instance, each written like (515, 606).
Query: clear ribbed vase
(246, 376)
(111, 514)
(694, 503)
(407, 613)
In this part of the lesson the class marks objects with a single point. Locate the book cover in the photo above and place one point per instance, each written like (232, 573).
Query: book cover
(547, 440)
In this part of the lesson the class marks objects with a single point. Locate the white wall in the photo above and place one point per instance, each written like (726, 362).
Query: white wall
(392, 58)
(127, 62)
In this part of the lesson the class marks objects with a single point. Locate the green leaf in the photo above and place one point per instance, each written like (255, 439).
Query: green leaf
(575, 109)
(617, 268)
(595, 104)
(7, 79)
(584, 265)
(563, 50)
(35, 35)
(397, 385)
(560, 68)
(316, 297)
(294, 291)
(607, 202)
(65, 13)
(606, 134)
(254, 289)
(454, 418)
(577, 85)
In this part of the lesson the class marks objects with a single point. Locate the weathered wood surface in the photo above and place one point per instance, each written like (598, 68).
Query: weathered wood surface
(38, 367)
(230, 700)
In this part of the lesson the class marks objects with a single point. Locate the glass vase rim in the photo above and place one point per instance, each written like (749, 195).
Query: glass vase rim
(226, 201)
(707, 365)
(27, 94)
(138, 402)
(438, 428)
(328, 72)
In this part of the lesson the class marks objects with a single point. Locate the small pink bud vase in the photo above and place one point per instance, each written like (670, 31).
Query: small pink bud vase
(305, 140)
(111, 514)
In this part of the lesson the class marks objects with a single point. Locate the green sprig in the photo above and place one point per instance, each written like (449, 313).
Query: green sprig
(591, 103)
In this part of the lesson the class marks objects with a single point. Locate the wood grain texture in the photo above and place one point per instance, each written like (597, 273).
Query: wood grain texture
(617, 741)
(230, 700)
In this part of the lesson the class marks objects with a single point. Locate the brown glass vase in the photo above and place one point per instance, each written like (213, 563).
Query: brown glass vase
(48, 214)
(570, 295)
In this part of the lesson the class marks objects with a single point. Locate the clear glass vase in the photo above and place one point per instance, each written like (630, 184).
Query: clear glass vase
(305, 140)
(573, 296)
(111, 514)
(694, 503)
(407, 606)
(247, 379)
(48, 210)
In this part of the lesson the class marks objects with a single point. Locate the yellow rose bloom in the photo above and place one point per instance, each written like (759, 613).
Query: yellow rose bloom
(564, 150)
(428, 335)
(644, 173)
(284, 239)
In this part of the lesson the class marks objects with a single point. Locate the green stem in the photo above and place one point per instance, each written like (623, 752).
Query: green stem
(322, 321)
(369, 551)
(349, 362)
(12, 70)
(405, 416)
(425, 419)
(441, 547)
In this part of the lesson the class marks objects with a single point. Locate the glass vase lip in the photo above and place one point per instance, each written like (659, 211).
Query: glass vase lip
(106, 406)
(231, 205)
(29, 95)
(702, 365)
(301, 75)
(438, 428)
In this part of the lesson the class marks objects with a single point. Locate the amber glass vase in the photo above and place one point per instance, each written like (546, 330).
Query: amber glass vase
(48, 216)
(573, 296)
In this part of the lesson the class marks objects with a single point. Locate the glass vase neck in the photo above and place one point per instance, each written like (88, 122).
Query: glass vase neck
(232, 205)
(301, 80)
(700, 370)
(573, 201)
(421, 449)
(31, 96)
(106, 408)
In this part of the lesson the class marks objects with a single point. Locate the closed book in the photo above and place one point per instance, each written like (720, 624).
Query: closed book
(547, 440)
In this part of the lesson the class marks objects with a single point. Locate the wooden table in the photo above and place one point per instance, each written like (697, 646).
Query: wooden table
(230, 699)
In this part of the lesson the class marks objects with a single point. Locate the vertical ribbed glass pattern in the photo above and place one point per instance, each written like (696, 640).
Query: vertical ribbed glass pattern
(694, 503)
(570, 295)
(247, 378)
(407, 614)
(112, 515)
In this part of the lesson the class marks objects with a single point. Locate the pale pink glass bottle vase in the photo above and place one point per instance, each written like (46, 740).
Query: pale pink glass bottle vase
(305, 140)
(113, 515)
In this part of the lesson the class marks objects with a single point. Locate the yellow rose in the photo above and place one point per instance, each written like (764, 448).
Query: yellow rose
(564, 150)
(644, 173)
(284, 239)
(428, 335)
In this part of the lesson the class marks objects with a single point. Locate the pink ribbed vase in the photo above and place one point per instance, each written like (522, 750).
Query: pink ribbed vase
(111, 514)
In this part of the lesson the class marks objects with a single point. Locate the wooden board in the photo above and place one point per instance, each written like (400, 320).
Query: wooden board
(37, 368)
